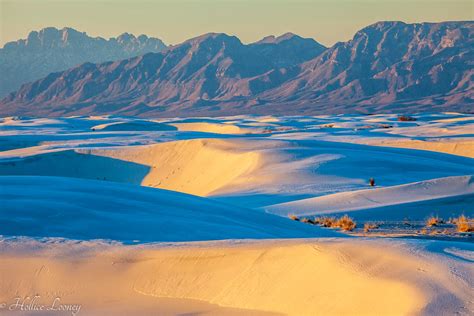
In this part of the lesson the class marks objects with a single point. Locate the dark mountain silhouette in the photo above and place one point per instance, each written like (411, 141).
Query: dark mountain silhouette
(51, 50)
(387, 66)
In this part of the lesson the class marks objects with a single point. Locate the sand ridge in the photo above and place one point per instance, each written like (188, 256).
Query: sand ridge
(206, 127)
(461, 147)
(197, 167)
(377, 197)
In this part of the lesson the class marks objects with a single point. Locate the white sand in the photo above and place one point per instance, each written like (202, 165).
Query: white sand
(338, 277)
(210, 128)
(377, 197)
(196, 167)
(462, 147)
(88, 209)
(138, 125)
(242, 165)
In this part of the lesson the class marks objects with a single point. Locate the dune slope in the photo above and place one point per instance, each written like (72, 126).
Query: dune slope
(198, 166)
(378, 197)
(86, 209)
(206, 127)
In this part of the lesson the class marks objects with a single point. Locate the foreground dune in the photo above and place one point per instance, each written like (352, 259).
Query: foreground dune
(300, 277)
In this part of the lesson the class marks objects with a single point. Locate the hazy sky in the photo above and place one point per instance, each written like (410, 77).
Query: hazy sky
(174, 21)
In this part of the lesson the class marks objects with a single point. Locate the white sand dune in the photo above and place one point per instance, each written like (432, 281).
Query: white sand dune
(456, 119)
(435, 130)
(94, 242)
(378, 197)
(275, 170)
(86, 209)
(299, 277)
(460, 147)
(196, 167)
(217, 128)
(137, 125)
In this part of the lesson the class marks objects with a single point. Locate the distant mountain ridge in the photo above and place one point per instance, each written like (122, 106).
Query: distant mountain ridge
(52, 49)
(387, 66)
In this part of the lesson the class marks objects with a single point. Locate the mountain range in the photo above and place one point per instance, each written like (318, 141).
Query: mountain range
(385, 67)
(51, 50)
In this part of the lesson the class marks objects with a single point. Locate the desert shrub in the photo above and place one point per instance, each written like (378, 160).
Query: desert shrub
(293, 217)
(307, 220)
(406, 118)
(465, 224)
(325, 221)
(345, 223)
(433, 221)
(369, 226)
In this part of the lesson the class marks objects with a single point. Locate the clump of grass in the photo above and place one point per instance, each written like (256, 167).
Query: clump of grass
(406, 118)
(465, 224)
(370, 226)
(293, 217)
(346, 223)
(306, 220)
(325, 221)
(433, 221)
